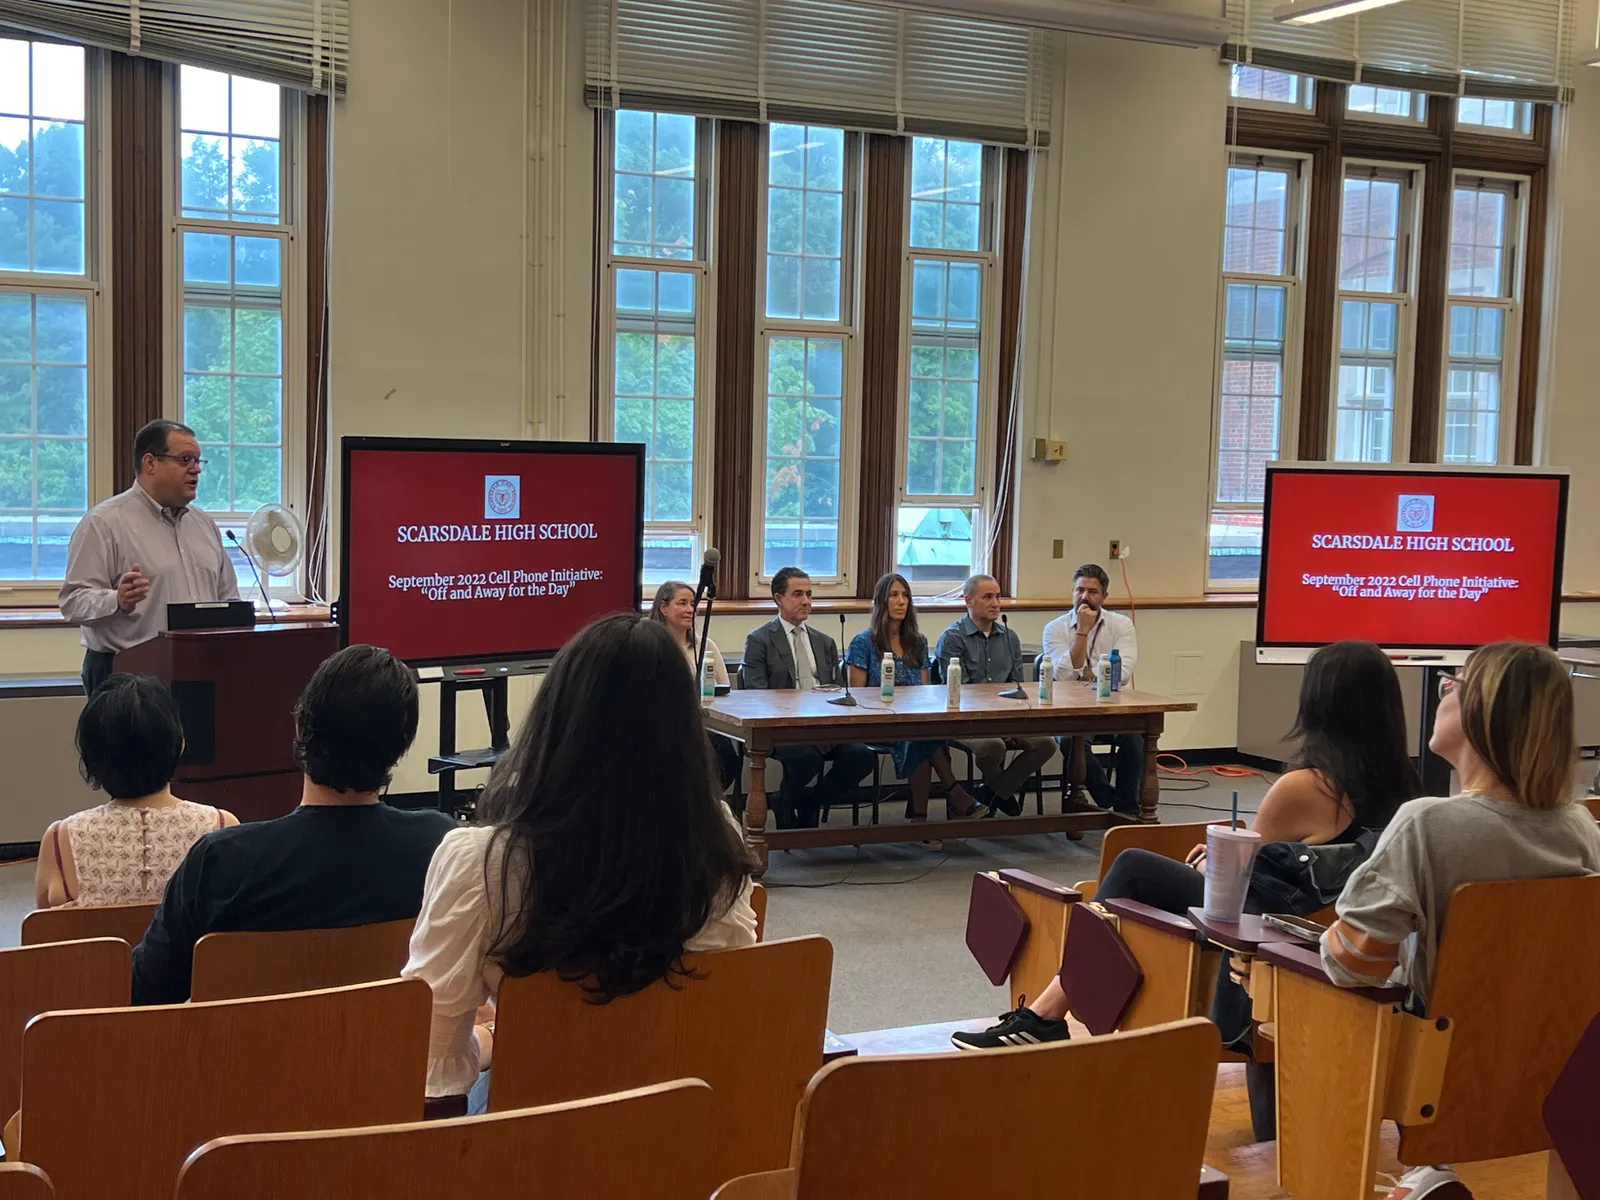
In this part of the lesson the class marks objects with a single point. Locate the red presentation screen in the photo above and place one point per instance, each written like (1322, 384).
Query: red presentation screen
(1410, 559)
(466, 551)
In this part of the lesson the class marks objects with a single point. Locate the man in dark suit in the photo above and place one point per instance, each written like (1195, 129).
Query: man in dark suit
(788, 654)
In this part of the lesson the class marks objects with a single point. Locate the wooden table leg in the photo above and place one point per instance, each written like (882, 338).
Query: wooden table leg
(755, 807)
(1150, 789)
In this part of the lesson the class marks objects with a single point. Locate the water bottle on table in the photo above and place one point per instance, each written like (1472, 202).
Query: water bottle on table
(887, 669)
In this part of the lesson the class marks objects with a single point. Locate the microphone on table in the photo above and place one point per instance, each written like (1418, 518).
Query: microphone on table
(706, 588)
(846, 700)
(1015, 693)
(253, 571)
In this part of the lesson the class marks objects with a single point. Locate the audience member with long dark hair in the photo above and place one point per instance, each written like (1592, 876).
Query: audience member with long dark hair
(1349, 772)
(606, 853)
(130, 738)
(673, 607)
(893, 630)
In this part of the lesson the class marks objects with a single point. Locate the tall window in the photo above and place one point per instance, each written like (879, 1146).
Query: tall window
(1393, 103)
(1484, 233)
(952, 260)
(47, 296)
(1260, 85)
(656, 268)
(1260, 281)
(234, 235)
(1375, 254)
(807, 317)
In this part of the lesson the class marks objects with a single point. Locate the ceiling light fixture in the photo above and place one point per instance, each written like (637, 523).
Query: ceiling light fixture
(1312, 12)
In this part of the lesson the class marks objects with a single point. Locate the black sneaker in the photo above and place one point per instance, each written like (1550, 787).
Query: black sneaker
(1024, 1027)
(1010, 805)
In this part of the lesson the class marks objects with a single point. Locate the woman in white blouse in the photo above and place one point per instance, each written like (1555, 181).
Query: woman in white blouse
(607, 855)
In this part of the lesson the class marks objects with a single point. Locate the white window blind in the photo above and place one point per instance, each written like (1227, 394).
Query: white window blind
(824, 62)
(1516, 49)
(302, 44)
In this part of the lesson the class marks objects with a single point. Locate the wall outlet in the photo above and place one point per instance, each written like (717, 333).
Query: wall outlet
(1116, 548)
(1058, 548)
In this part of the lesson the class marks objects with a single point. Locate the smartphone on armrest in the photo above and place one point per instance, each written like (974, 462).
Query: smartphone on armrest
(1302, 927)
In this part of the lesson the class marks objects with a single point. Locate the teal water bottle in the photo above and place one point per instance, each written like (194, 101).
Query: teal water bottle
(1116, 670)
(708, 681)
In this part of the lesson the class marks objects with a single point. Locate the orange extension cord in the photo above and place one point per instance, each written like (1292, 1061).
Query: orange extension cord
(1222, 772)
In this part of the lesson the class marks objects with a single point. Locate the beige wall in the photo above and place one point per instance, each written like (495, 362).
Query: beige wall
(463, 184)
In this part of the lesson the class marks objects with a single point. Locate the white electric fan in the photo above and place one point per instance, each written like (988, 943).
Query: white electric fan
(274, 539)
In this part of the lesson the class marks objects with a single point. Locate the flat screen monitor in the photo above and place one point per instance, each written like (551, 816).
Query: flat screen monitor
(1427, 563)
(456, 551)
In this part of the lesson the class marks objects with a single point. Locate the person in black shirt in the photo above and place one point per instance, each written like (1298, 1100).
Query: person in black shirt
(342, 858)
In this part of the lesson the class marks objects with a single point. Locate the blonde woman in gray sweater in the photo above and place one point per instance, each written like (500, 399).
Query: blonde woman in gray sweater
(1505, 723)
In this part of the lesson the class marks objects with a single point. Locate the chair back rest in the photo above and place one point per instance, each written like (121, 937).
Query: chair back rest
(228, 966)
(1169, 841)
(750, 1022)
(1518, 976)
(36, 979)
(24, 1181)
(758, 901)
(113, 1100)
(72, 924)
(1165, 1073)
(650, 1142)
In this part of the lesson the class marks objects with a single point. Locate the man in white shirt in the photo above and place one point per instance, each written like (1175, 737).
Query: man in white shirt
(143, 549)
(1075, 644)
(788, 654)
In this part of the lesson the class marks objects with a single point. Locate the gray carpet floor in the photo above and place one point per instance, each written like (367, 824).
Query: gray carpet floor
(896, 914)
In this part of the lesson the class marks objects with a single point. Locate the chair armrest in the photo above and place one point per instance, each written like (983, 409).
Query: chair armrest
(1039, 885)
(1307, 960)
(1155, 918)
(1246, 935)
(764, 1185)
(1213, 1184)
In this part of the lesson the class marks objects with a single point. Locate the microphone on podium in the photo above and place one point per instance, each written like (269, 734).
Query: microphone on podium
(253, 571)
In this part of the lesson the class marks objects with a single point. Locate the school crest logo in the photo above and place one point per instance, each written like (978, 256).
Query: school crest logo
(1416, 515)
(502, 497)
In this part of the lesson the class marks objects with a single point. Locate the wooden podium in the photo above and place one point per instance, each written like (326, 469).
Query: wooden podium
(237, 690)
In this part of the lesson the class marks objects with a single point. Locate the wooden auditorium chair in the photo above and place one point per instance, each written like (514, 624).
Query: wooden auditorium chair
(230, 966)
(24, 1181)
(1169, 841)
(750, 1022)
(649, 1142)
(73, 924)
(114, 1099)
(36, 979)
(1516, 984)
(1065, 1131)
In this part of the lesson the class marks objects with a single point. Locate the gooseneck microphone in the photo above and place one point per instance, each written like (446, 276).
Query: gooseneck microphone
(1015, 693)
(707, 588)
(254, 572)
(846, 700)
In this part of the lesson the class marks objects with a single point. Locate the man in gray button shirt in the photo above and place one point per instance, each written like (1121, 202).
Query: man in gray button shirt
(990, 653)
(139, 551)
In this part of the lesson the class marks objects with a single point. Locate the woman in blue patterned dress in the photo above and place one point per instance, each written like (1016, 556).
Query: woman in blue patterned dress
(894, 631)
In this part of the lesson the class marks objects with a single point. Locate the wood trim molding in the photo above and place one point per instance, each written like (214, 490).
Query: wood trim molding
(1013, 238)
(736, 255)
(137, 233)
(1533, 277)
(1321, 275)
(318, 432)
(883, 237)
(1432, 291)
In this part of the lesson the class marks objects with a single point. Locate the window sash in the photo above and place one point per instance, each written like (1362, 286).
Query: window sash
(1286, 352)
(1453, 413)
(688, 534)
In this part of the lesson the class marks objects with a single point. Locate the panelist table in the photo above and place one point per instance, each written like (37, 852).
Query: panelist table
(765, 719)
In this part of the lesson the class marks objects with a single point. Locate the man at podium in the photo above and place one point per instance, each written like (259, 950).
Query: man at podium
(139, 551)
